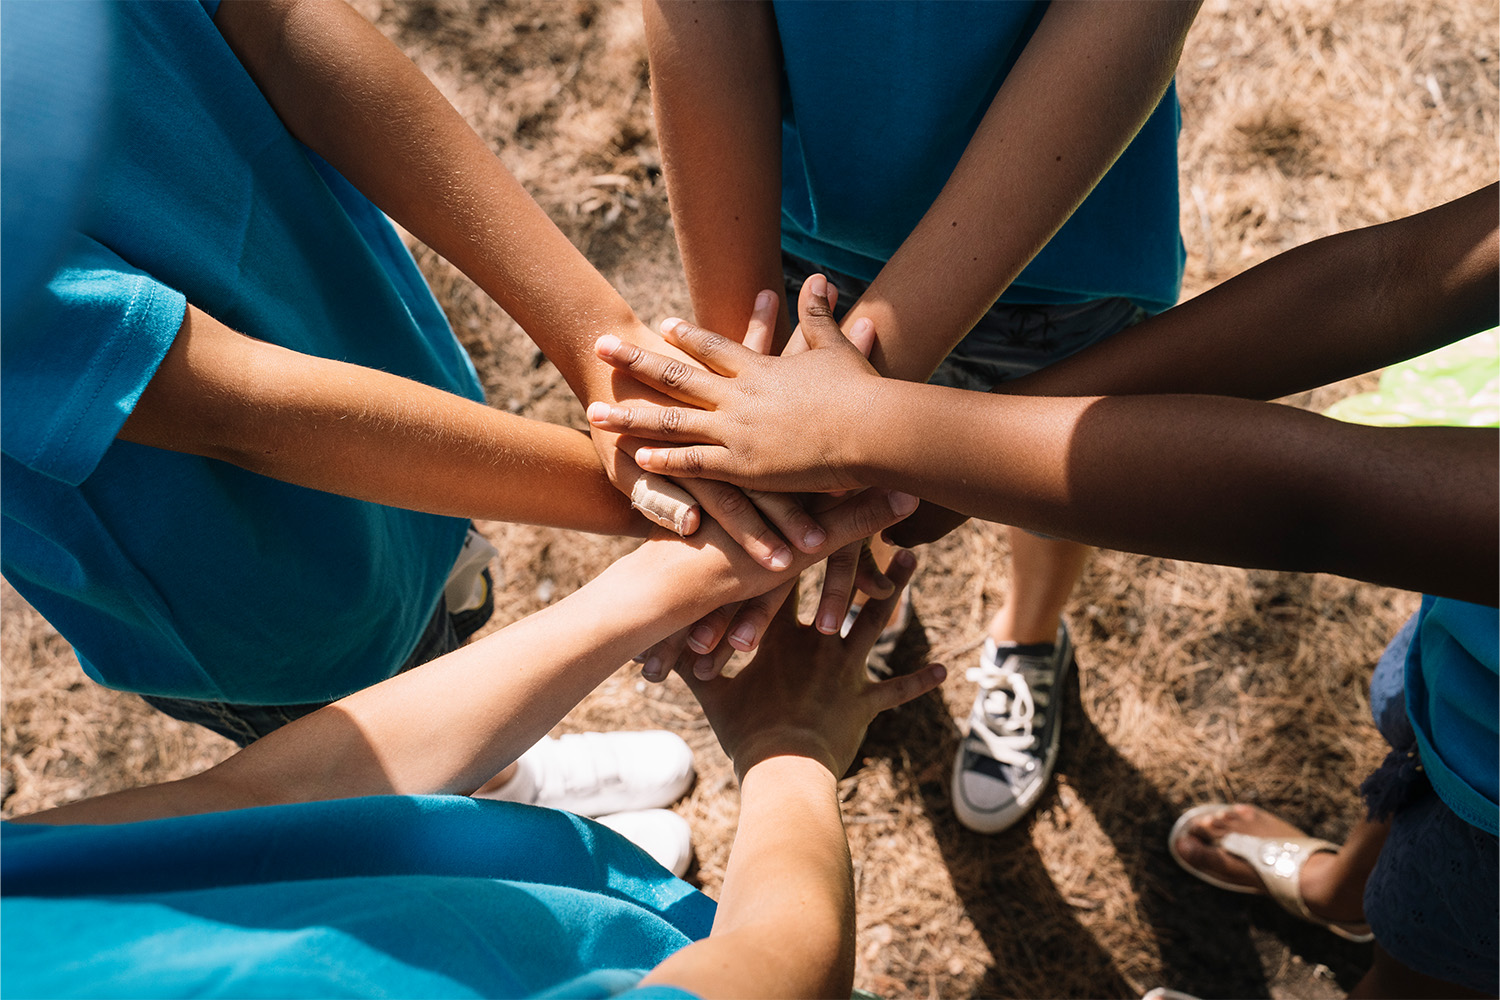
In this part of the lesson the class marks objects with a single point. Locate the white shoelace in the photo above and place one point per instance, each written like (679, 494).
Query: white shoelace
(1002, 715)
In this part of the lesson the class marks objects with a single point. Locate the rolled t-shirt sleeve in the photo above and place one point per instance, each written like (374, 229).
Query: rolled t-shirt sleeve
(72, 375)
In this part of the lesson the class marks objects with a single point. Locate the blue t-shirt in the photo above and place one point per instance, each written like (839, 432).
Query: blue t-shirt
(1453, 701)
(436, 896)
(183, 576)
(879, 102)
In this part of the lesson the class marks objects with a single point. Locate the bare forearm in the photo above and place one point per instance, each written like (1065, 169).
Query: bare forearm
(348, 93)
(453, 724)
(1341, 306)
(413, 735)
(785, 923)
(1089, 78)
(1208, 479)
(369, 434)
(716, 93)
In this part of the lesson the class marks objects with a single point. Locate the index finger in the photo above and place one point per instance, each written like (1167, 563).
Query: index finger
(677, 379)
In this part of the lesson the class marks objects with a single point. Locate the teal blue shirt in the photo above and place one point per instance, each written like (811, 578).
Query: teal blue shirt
(1453, 700)
(183, 576)
(880, 100)
(440, 896)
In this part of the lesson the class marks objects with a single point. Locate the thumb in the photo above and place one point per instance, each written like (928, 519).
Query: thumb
(815, 310)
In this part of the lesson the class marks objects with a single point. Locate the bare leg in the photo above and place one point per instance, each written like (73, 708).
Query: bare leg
(1389, 978)
(1043, 573)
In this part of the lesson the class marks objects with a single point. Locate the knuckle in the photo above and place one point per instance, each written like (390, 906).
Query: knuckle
(670, 420)
(690, 462)
(674, 373)
(731, 502)
(818, 310)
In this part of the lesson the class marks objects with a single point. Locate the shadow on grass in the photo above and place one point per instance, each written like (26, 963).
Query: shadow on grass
(1211, 943)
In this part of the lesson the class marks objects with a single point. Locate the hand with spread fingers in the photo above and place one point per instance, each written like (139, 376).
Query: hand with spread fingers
(747, 416)
(808, 694)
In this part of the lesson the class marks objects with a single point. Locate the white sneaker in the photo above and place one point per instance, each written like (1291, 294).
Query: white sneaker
(661, 833)
(1005, 762)
(594, 774)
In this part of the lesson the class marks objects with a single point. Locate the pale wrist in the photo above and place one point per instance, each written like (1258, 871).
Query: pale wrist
(784, 770)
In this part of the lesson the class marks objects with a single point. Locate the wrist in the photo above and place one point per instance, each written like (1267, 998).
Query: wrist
(876, 425)
(784, 770)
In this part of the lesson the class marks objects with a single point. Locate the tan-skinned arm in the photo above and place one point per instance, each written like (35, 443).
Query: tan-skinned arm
(1193, 477)
(410, 735)
(792, 722)
(369, 434)
(345, 90)
(716, 93)
(1086, 82)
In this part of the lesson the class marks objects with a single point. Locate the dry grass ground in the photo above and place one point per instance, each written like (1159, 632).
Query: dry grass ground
(1196, 682)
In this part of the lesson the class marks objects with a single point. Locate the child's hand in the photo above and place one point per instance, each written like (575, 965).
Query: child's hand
(807, 694)
(763, 423)
(763, 523)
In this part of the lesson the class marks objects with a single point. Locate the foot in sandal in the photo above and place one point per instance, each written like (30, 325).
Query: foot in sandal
(1245, 849)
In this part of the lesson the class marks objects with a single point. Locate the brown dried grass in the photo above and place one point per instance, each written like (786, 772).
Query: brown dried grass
(1301, 119)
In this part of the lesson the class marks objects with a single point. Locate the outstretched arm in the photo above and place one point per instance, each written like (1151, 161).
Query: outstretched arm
(409, 734)
(1087, 81)
(1194, 477)
(1340, 306)
(792, 722)
(347, 92)
(1089, 78)
(369, 434)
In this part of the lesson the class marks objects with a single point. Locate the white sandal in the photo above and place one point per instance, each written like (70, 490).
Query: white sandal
(1276, 861)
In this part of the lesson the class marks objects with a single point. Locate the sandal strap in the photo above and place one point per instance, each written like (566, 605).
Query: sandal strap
(1278, 864)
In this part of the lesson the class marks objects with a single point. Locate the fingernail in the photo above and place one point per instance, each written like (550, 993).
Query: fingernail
(818, 285)
(906, 559)
(597, 412)
(607, 344)
(704, 668)
(862, 325)
(781, 558)
(939, 672)
(814, 538)
(902, 503)
(828, 623)
(651, 670)
(644, 456)
(743, 636)
(670, 323)
(763, 301)
(701, 639)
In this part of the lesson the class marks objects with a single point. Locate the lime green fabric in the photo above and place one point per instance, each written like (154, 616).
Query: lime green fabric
(1454, 386)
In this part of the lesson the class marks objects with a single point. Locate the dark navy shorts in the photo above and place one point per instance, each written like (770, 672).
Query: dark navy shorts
(1008, 341)
(1433, 900)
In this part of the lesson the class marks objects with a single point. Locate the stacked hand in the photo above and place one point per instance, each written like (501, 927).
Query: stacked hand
(761, 409)
(707, 645)
(747, 419)
(807, 694)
